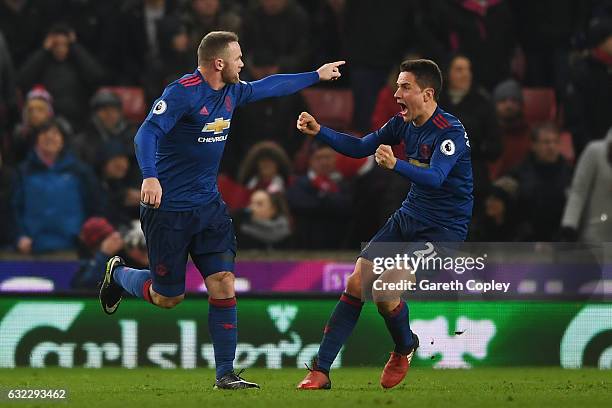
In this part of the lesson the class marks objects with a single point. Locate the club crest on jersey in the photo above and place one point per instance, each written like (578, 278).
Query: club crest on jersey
(218, 126)
(160, 107)
(448, 147)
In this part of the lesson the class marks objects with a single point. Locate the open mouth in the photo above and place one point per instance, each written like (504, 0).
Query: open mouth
(404, 110)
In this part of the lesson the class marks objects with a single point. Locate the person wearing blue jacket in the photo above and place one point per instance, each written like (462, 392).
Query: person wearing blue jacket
(54, 194)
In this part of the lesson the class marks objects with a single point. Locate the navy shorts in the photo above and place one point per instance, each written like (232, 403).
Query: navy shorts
(205, 233)
(403, 233)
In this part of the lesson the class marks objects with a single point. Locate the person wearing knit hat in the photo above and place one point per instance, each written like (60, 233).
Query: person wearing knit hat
(515, 133)
(508, 89)
(107, 124)
(37, 109)
(100, 242)
(94, 231)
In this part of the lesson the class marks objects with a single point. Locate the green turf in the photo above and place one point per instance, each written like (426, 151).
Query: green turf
(356, 387)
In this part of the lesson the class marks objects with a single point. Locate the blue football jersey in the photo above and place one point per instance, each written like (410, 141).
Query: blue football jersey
(190, 123)
(438, 164)
(441, 140)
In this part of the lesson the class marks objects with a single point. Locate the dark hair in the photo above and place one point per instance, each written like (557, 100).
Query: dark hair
(52, 124)
(546, 126)
(268, 150)
(214, 44)
(279, 202)
(60, 28)
(456, 56)
(426, 72)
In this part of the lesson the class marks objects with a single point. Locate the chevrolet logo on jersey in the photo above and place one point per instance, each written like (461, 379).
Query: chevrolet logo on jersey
(218, 126)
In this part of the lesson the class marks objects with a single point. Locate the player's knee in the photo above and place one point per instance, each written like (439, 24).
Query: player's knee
(353, 284)
(385, 307)
(168, 302)
(220, 285)
(224, 279)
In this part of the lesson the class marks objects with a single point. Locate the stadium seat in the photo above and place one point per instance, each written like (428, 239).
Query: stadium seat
(332, 108)
(348, 166)
(235, 195)
(133, 100)
(567, 147)
(540, 105)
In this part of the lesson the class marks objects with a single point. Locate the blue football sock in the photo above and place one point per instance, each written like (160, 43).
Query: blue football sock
(223, 329)
(399, 327)
(338, 329)
(133, 281)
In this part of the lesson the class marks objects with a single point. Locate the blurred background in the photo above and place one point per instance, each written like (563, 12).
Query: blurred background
(530, 80)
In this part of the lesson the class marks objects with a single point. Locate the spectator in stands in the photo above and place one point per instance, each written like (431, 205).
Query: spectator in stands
(204, 16)
(372, 50)
(120, 193)
(7, 219)
(265, 167)
(175, 57)
(587, 215)
(264, 224)
(515, 136)
(276, 38)
(473, 107)
(320, 203)
(8, 94)
(54, 194)
(105, 125)
(589, 93)
(271, 119)
(37, 111)
(99, 242)
(483, 30)
(66, 69)
(543, 179)
(499, 222)
(136, 37)
(23, 24)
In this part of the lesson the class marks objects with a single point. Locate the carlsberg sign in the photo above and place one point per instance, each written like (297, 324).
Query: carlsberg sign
(44, 332)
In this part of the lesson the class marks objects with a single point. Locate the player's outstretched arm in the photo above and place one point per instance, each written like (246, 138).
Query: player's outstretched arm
(341, 142)
(287, 84)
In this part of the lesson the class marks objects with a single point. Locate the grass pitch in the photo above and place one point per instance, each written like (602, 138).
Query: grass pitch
(505, 387)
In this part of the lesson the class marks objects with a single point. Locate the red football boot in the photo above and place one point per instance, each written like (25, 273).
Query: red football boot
(396, 368)
(315, 379)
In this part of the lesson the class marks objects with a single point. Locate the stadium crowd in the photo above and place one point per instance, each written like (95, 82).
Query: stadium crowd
(530, 80)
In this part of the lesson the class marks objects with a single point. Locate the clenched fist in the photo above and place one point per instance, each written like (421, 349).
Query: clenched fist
(151, 192)
(307, 124)
(384, 157)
